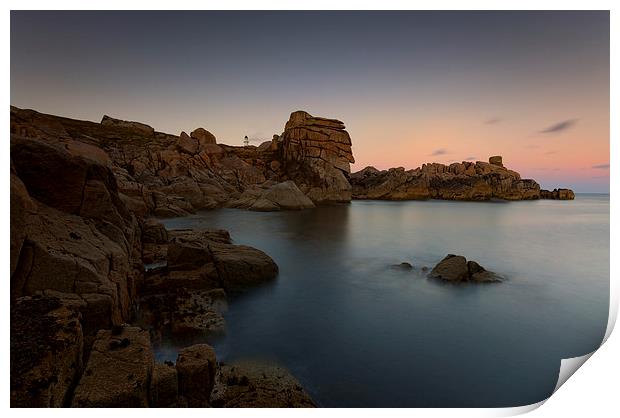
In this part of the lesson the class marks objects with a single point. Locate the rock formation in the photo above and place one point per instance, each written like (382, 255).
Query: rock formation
(457, 181)
(557, 194)
(78, 250)
(168, 175)
(316, 155)
(456, 269)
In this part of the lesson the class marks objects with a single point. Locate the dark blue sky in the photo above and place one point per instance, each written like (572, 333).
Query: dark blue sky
(405, 83)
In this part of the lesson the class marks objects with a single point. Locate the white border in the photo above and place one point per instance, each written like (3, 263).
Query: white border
(594, 391)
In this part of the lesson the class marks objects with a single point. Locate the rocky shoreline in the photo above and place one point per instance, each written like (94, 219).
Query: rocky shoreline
(85, 312)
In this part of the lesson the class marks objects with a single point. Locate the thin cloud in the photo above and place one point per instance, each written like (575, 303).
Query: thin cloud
(601, 166)
(440, 151)
(492, 121)
(560, 127)
(550, 152)
(471, 158)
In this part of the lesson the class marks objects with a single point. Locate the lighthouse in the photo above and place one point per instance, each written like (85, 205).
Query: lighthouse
(246, 141)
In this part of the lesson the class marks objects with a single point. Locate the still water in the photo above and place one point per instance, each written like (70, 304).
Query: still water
(358, 333)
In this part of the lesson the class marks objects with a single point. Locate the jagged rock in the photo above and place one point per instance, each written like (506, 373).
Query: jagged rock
(253, 385)
(124, 124)
(196, 372)
(455, 268)
(317, 156)
(458, 181)
(557, 194)
(164, 386)
(187, 144)
(46, 352)
(118, 372)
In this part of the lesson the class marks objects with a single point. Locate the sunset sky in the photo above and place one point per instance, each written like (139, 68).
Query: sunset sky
(411, 87)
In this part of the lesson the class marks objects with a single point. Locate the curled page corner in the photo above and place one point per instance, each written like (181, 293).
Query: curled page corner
(569, 366)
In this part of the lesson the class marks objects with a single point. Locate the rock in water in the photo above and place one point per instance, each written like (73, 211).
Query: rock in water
(557, 194)
(118, 372)
(455, 268)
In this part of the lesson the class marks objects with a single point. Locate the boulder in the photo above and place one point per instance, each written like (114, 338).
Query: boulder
(46, 352)
(255, 385)
(203, 136)
(282, 196)
(456, 269)
(496, 160)
(187, 144)
(240, 266)
(118, 372)
(196, 373)
(452, 268)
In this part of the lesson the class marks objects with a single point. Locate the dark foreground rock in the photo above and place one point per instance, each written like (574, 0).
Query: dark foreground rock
(254, 385)
(46, 352)
(118, 372)
(455, 268)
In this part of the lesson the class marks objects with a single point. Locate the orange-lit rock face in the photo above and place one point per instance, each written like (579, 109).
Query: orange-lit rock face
(317, 156)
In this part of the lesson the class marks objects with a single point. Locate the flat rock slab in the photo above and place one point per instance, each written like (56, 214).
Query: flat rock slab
(119, 370)
(255, 385)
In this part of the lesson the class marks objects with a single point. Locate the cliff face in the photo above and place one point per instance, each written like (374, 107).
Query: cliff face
(169, 175)
(457, 181)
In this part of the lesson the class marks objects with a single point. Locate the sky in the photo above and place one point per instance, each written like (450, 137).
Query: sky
(411, 87)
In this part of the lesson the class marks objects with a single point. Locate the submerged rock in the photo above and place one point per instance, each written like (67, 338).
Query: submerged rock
(455, 268)
(403, 266)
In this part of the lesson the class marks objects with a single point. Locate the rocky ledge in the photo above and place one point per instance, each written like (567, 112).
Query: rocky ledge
(457, 181)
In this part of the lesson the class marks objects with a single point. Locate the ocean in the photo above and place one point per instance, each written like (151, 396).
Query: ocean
(357, 332)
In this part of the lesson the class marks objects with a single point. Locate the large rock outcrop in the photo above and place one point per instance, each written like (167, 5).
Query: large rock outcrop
(317, 156)
(168, 175)
(457, 181)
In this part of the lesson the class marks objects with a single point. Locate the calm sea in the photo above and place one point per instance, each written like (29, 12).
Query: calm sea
(358, 333)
